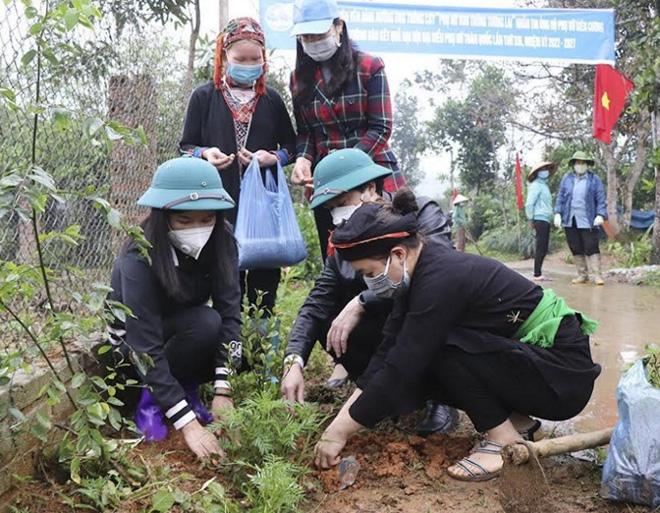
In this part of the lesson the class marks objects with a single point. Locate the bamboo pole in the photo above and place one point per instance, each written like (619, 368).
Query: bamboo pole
(519, 454)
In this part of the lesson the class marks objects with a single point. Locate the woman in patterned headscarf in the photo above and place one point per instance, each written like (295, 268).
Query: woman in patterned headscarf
(236, 117)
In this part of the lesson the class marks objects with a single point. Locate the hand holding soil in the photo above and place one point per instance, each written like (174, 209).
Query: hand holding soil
(328, 449)
(200, 441)
(220, 404)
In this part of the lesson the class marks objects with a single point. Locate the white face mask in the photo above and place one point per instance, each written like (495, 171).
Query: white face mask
(341, 214)
(321, 50)
(580, 169)
(190, 241)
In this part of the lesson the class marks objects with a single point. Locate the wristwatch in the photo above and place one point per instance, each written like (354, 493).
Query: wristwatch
(361, 301)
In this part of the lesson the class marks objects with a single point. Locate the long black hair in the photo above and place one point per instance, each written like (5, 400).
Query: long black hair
(219, 254)
(343, 65)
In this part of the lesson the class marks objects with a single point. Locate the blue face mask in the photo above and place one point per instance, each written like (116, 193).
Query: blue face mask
(544, 174)
(243, 73)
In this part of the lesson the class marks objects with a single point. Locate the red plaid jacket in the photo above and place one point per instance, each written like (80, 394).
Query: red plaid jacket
(359, 116)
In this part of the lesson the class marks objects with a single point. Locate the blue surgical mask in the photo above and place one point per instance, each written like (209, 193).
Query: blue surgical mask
(383, 286)
(544, 174)
(244, 73)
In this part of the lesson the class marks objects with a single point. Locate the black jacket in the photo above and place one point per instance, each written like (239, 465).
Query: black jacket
(474, 303)
(209, 123)
(135, 285)
(339, 283)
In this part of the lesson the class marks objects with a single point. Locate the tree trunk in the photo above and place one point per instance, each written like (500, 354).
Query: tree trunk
(132, 102)
(224, 14)
(610, 164)
(189, 81)
(643, 132)
(655, 257)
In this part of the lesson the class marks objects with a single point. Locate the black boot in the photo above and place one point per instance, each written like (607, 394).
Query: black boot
(437, 418)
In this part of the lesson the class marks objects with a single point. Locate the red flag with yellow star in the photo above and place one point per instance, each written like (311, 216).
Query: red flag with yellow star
(609, 100)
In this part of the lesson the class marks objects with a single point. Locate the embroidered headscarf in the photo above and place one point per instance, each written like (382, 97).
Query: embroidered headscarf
(239, 29)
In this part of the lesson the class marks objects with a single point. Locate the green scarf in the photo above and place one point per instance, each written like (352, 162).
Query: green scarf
(541, 326)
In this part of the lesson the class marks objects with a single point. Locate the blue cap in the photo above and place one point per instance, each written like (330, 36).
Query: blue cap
(186, 183)
(313, 16)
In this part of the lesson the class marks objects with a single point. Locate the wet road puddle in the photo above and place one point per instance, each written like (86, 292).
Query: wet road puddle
(628, 317)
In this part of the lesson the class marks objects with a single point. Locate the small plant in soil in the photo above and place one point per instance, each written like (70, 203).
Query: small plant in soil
(268, 441)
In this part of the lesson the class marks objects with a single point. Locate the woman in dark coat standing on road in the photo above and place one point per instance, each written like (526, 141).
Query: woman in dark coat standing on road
(237, 117)
(465, 329)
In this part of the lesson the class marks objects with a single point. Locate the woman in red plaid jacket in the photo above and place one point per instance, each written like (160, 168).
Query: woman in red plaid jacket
(341, 99)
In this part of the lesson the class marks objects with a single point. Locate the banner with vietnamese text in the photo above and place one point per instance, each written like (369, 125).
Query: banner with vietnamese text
(559, 35)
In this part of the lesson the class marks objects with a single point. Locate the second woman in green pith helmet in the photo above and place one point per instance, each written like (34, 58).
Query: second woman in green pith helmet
(340, 312)
(581, 208)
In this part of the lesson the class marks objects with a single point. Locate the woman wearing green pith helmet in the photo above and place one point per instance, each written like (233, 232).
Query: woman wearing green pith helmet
(193, 259)
(340, 312)
(580, 209)
(466, 330)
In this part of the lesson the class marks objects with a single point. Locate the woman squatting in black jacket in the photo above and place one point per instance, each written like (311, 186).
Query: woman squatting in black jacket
(465, 330)
(193, 259)
(340, 312)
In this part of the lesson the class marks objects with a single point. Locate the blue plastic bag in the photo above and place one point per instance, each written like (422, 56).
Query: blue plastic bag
(632, 469)
(267, 230)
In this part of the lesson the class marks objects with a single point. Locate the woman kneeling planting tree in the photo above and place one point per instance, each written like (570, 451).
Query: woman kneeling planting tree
(193, 259)
(465, 330)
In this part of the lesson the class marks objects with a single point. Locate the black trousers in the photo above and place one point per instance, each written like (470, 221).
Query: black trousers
(362, 345)
(582, 241)
(489, 387)
(324, 226)
(542, 229)
(261, 280)
(192, 337)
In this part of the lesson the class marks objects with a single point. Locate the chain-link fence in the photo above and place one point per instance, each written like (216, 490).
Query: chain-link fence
(134, 77)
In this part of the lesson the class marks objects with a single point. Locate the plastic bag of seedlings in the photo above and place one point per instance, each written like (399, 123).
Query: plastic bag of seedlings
(267, 230)
(632, 469)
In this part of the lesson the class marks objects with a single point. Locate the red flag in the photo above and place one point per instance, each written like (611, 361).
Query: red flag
(454, 194)
(609, 100)
(519, 193)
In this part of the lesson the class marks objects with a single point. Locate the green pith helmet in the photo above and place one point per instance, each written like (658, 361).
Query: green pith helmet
(186, 183)
(342, 171)
(581, 155)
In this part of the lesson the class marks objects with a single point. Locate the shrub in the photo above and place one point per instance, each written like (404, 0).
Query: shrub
(632, 253)
(311, 268)
(274, 487)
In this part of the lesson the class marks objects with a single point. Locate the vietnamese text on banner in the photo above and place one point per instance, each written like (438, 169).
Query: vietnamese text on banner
(565, 35)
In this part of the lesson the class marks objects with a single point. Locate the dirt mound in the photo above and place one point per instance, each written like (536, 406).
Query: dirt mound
(383, 455)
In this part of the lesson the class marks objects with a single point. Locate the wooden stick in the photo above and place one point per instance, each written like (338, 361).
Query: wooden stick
(519, 453)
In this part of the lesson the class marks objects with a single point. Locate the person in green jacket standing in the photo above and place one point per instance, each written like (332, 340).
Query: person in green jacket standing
(538, 209)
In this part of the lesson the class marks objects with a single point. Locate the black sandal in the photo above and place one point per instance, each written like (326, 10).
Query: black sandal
(476, 473)
(533, 434)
